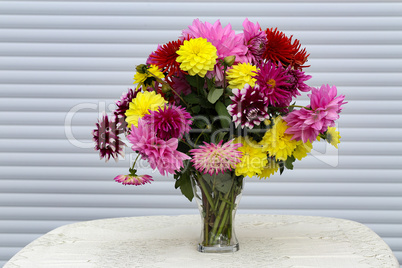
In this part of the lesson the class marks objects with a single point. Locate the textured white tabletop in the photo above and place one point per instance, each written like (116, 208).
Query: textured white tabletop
(171, 241)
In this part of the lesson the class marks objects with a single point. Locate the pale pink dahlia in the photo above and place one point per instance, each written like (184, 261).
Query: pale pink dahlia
(133, 179)
(160, 154)
(248, 107)
(272, 81)
(307, 123)
(169, 121)
(214, 158)
(106, 139)
(255, 40)
(226, 41)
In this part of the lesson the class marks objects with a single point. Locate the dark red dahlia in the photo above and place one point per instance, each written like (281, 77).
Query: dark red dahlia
(165, 58)
(106, 138)
(280, 48)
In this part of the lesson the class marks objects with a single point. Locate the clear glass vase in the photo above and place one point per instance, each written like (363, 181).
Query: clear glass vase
(217, 198)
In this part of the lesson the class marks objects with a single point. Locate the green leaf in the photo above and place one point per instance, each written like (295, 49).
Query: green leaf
(221, 135)
(201, 124)
(223, 113)
(192, 98)
(195, 81)
(215, 94)
(228, 101)
(220, 182)
(291, 107)
(184, 182)
(206, 104)
(196, 109)
(289, 162)
(281, 167)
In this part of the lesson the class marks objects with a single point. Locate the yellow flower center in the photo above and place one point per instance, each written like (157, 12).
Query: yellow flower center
(271, 83)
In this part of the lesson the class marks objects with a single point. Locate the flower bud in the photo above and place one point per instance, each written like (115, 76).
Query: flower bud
(142, 68)
(166, 88)
(229, 60)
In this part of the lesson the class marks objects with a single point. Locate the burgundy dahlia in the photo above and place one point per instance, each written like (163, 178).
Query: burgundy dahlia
(122, 107)
(248, 108)
(124, 102)
(106, 138)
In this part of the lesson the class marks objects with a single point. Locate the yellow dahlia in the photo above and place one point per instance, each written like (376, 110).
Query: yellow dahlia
(333, 137)
(197, 56)
(269, 169)
(241, 74)
(276, 142)
(302, 149)
(146, 79)
(141, 105)
(254, 159)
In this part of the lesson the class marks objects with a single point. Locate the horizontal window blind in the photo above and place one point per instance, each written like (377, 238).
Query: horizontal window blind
(64, 62)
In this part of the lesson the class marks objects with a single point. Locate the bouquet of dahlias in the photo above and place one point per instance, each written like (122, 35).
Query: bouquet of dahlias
(213, 107)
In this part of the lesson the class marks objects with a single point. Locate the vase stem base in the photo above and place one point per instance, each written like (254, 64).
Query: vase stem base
(218, 248)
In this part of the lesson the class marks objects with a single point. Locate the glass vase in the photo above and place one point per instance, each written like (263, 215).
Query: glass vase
(217, 197)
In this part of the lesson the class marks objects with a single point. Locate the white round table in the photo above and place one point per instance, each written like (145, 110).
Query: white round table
(171, 241)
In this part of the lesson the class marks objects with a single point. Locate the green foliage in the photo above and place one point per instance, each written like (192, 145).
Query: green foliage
(220, 182)
(192, 98)
(196, 109)
(195, 81)
(225, 118)
(183, 181)
(214, 94)
(289, 162)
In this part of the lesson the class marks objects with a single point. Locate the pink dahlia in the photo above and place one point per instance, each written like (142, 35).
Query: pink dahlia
(255, 40)
(133, 179)
(214, 158)
(248, 107)
(226, 41)
(160, 154)
(169, 121)
(106, 139)
(307, 123)
(273, 84)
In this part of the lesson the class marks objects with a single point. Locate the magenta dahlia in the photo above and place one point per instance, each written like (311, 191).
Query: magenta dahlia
(296, 81)
(248, 107)
(307, 123)
(106, 138)
(169, 121)
(255, 40)
(214, 158)
(272, 81)
(226, 41)
(133, 179)
(160, 154)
